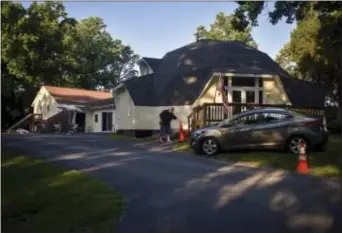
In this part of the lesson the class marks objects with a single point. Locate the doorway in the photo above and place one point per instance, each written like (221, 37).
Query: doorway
(107, 121)
(80, 121)
(242, 97)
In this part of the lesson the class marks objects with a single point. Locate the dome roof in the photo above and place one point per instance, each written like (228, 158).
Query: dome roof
(182, 73)
(211, 55)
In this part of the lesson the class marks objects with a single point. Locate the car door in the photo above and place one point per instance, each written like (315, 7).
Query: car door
(237, 133)
(272, 130)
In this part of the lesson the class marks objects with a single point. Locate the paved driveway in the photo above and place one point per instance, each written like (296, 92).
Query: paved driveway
(176, 192)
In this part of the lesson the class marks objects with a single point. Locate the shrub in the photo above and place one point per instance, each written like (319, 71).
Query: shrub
(334, 126)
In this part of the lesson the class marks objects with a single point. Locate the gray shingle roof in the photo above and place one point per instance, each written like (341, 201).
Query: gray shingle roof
(182, 74)
(104, 102)
(141, 90)
(152, 62)
(304, 94)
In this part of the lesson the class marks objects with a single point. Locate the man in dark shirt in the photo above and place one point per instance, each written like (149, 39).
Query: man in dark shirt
(166, 117)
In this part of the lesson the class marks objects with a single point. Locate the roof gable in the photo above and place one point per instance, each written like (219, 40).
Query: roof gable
(74, 95)
(153, 63)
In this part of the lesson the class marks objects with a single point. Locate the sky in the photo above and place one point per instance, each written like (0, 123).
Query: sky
(155, 28)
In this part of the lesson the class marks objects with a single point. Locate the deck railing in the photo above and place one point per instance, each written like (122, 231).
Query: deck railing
(211, 113)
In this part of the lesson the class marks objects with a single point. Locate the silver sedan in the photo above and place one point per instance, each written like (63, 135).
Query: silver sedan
(262, 128)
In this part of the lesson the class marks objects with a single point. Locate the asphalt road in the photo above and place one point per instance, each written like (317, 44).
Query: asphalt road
(176, 192)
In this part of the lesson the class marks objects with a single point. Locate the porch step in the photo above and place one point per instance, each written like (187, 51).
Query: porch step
(19, 122)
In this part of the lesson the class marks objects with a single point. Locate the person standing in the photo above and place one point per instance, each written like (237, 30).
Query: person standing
(166, 117)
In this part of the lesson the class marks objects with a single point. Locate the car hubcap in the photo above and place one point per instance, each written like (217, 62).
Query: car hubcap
(294, 144)
(209, 146)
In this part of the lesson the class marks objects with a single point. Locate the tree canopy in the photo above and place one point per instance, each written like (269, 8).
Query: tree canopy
(223, 29)
(42, 44)
(301, 56)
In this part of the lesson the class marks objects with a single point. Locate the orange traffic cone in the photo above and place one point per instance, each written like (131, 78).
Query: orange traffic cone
(302, 166)
(181, 132)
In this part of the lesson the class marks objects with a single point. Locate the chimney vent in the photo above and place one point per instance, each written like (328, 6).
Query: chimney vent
(197, 37)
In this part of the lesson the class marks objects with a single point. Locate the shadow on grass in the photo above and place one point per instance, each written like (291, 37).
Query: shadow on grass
(41, 197)
(323, 163)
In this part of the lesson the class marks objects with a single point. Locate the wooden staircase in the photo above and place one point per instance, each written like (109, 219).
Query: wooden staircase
(34, 118)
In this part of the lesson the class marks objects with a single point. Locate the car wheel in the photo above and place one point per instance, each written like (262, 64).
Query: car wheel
(210, 146)
(294, 142)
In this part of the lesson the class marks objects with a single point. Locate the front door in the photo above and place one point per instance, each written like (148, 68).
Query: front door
(107, 121)
(237, 99)
(250, 98)
(242, 97)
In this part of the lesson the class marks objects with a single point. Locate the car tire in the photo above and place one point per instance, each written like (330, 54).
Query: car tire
(293, 142)
(209, 146)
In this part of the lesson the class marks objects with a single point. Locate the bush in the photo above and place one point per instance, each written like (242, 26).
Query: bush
(334, 126)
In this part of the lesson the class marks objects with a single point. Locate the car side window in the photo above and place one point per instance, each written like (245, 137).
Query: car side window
(251, 119)
(274, 117)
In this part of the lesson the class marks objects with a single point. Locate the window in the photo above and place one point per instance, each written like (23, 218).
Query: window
(237, 97)
(96, 118)
(243, 82)
(273, 117)
(48, 107)
(225, 81)
(250, 97)
(261, 82)
(261, 97)
(247, 120)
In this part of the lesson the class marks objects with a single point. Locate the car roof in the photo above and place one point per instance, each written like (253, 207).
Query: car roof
(260, 110)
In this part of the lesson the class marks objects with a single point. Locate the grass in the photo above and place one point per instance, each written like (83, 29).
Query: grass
(327, 163)
(40, 197)
(134, 139)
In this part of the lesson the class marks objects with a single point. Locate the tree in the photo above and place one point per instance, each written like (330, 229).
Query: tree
(300, 56)
(222, 29)
(32, 41)
(96, 60)
(285, 59)
(41, 44)
(325, 46)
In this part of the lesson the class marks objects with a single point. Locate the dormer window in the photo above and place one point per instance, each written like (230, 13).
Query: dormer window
(148, 65)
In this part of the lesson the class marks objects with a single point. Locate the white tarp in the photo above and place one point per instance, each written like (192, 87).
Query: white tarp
(71, 109)
(22, 131)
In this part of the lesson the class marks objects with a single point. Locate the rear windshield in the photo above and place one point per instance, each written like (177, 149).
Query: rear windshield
(301, 114)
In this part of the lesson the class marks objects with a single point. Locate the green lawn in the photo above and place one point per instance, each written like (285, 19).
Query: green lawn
(327, 163)
(38, 197)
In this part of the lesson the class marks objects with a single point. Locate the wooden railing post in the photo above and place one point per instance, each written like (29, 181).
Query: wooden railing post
(205, 117)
